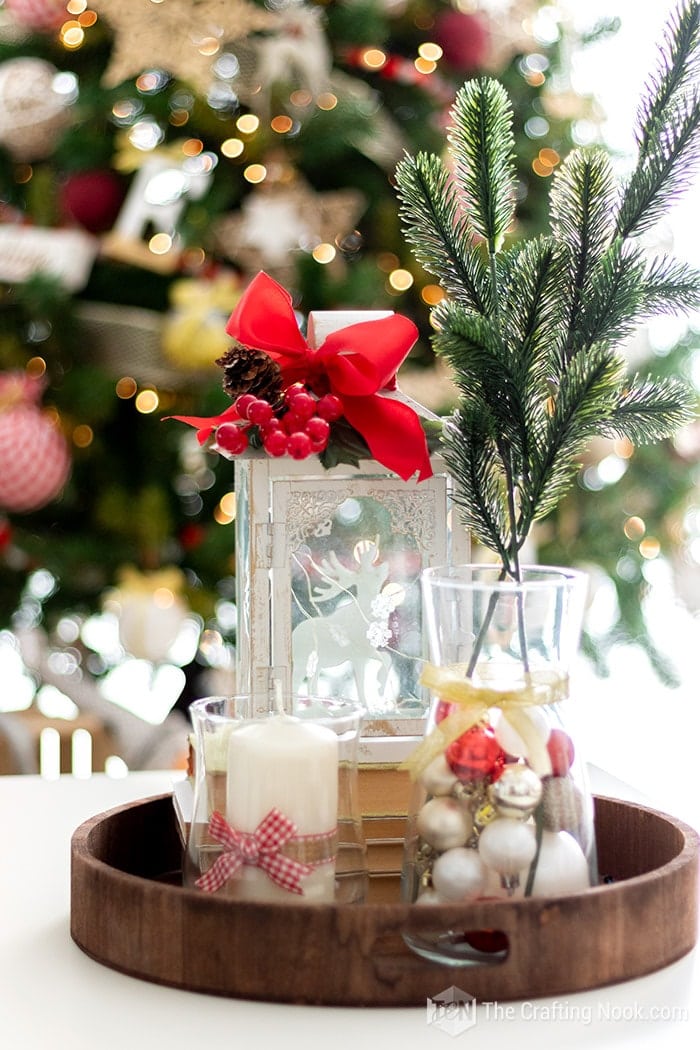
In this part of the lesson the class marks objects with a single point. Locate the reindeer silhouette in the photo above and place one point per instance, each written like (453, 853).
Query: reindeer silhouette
(350, 633)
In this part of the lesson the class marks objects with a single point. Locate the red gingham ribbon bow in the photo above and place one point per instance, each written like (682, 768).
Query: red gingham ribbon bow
(261, 849)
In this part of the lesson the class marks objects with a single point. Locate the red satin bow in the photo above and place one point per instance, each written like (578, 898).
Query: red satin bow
(261, 849)
(355, 363)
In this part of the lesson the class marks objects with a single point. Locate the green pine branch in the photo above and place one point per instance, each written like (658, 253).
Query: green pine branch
(482, 144)
(670, 286)
(438, 231)
(532, 330)
(668, 127)
(676, 68)
(648, 411)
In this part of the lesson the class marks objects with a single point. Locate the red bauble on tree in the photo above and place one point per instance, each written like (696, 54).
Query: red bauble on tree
(92, 199)
(43, 15)
(476, 755)
(464, 40)
(34, 458)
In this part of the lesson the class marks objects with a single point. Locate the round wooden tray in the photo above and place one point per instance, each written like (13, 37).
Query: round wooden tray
(128, 912)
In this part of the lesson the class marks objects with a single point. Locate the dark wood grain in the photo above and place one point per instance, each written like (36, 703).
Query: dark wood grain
(127, 913)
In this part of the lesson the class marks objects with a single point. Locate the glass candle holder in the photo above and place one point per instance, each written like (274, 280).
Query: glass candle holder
(275, 813)
(501, 805)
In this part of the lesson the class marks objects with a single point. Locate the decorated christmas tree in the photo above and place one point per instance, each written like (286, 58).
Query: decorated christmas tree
(154, 156)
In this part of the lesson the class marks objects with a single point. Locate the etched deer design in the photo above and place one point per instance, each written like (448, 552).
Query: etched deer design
(322, 643)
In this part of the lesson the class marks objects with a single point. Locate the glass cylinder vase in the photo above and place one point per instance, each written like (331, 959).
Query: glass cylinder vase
(276, 813)
(501, 806)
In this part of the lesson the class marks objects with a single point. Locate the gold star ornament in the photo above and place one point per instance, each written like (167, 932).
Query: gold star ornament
(181, 37)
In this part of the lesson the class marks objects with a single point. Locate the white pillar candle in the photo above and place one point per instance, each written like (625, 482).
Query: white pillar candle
(288, 764)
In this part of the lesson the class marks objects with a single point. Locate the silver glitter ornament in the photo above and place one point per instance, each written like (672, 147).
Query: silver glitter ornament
(517, 791)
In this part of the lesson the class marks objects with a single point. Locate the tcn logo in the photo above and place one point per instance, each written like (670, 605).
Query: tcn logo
(452, 1010)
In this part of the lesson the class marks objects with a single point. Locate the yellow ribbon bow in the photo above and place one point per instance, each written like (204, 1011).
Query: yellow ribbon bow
(474, 700)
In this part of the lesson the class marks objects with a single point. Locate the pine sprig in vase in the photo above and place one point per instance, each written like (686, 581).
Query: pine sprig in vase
(533, 329)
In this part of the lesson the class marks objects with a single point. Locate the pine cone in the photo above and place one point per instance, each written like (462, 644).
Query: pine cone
(251, 372)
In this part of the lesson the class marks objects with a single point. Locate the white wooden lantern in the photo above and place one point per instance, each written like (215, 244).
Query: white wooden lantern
(328, 567)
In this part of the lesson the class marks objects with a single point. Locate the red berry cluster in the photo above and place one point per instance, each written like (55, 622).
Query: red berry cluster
(301, 428)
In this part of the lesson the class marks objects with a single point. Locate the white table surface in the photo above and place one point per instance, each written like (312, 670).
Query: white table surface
(52, 996)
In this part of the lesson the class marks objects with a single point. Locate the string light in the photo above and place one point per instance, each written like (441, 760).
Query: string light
(82, 435)
(324, 253)
(301, 98)
(650, 548)
(634, 528)
(432, 294)
(400, 280)
(72, 35)
(430, 52)
(36, 367)
(282, 124)
(255, 173)
(424, 66)
(248, 124)
(387, 261)
(126, 387)
(225, 511)
(545, 162)
(327, 101)
(232, 148)
(147, 401)
(160, 243)
(373, 58)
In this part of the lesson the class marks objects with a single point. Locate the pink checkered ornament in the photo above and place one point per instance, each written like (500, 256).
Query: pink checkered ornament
(43, 15)
(34, 458)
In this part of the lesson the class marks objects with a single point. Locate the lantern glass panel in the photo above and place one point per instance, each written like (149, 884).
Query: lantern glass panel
(328, 566)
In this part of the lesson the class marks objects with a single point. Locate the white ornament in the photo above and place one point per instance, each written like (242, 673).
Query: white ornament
(32, 111)
(297, 49)
(459, 874)
(429, 897)
(154, 205)
(67, 255)
(561, 866)
(443, 823)
(511, 741)
(438, 778)
(507, 845)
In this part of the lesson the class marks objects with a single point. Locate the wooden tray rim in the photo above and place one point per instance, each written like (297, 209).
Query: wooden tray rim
(425, 917)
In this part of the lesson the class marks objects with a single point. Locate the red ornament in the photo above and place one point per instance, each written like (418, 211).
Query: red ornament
(476, 755)
(487, 940)
(5, 533)
(44, 15)
(92, 199)
(464, 40)
(561, 752)
(192, 536)
(34, 457)
(443, 708)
